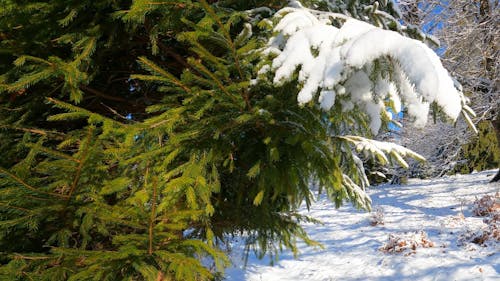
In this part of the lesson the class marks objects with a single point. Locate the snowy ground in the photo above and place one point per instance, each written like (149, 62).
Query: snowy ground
(440, 207)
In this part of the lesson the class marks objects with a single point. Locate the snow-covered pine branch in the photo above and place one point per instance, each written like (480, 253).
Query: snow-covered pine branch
(361, 65)
(384, 152)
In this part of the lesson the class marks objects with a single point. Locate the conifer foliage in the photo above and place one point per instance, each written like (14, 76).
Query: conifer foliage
(140, 135)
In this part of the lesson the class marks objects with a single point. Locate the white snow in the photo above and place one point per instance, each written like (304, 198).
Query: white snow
(327, 56)
(385, 88)
(418, 61)
(294, 20)
(438, 210)
(360, 87)
(326, 99)
(383, 151)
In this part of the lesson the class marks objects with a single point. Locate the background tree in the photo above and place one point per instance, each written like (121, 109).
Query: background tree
(469, 46)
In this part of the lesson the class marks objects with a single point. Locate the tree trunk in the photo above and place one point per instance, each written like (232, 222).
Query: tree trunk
(496, 127)
(484, 15)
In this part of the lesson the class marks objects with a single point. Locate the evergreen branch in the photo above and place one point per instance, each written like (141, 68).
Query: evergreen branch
(145, 155)
(82, 159)
(23, 183)
(150, 227)
(15, 207)
(73, 108)
(38, 198)
(22, 60)
(88, 50)
(19, 256)
(199, 66)
(192, 38)
(68, 19)
(149, 65)
(153, 215)
(32, 130)
(10, 109)
(232, 46)
(152, 126)
(29, 80)
(53, 152)
(149, 78)
(226, 34)
(9, 223)
(170, 117)
(176, 4)
(106, 213)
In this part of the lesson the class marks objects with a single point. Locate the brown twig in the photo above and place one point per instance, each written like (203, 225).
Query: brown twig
(101, 94)
(19, 256)
(80, 165)
(153, 210)
(23, 183)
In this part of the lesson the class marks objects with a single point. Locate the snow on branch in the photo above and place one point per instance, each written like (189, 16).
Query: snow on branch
(345, 62)
(382, 151)
(356, 193)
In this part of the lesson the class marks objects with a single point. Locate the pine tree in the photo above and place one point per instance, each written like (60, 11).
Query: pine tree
(86, 194)
(141, 135)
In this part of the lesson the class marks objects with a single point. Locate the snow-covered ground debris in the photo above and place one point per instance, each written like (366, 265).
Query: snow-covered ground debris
(377, 217)
(406, 242)
(441, 208)
(488, 234)
(487, 205)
